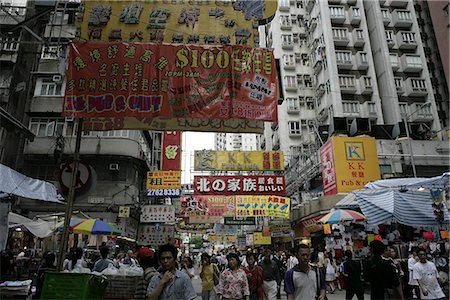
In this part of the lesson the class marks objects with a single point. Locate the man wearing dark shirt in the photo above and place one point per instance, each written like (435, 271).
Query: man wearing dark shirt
(272, 277)
(352, 272)
(380, 273)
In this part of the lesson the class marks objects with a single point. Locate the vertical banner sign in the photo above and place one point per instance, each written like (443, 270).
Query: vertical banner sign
(154, 235)
(157, 214)
(348, 163)
(171, 151)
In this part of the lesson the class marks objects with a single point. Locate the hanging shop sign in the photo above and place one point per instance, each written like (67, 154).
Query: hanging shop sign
(157, 214)
(249, 239)
(178, 124)
(222, 238)
(171, 151)
(175, 21)
(262, 206)
(221, 229)
(185, 226)
(280, 230)
(124, 211)
(230, 185)
(348, 163)
(154, 235)
(239, 221)
(260, 239)
(208, 206)
(159, 180)
(209, 160)
(116, 79)
(204, 219)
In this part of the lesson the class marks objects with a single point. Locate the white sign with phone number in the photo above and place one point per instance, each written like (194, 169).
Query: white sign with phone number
(164, 192)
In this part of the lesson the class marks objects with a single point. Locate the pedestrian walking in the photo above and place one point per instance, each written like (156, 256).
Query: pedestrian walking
(426, 274)
(272, 279)
(233, 283)
(209, 274)
(170, 283)
(146, 259)
(305, 281)
(413, 285)
(381, 274)
(187, 266)
(104, 262)
(255, 277)
(352, 272)
(330, 268)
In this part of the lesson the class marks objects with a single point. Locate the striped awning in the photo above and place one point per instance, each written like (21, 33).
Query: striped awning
(413, 208)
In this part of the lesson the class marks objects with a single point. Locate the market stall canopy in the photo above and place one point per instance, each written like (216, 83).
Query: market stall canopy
(96, 226)
(341, 215)
(38, 228)
(15, 183)
(437, 182)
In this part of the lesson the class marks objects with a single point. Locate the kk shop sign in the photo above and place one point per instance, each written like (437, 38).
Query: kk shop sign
(348, 163)
(115, 79)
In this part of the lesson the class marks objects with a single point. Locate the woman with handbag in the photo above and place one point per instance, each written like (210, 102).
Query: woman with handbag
(209, 275)
(233, 284)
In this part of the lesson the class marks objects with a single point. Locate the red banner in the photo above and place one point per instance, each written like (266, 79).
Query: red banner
(207, 206)
(232, 185)
(115, 79)
(171, 151)
(328, 169)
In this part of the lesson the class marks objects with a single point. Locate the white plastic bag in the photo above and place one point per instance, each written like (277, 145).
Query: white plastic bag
(110, 270)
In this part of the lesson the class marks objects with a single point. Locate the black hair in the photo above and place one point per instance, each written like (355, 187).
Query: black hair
(300, 246)
(250, 254)
(190, 262)
(235, 256)
(49, 259)
(104, 251)
(76, 255)
(348, 254)
(314, 256)
(168, 248)
(377, 247)
(205, 255)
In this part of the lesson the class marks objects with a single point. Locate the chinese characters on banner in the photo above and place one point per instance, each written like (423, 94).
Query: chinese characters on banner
(222, 238)
(171, 151)
(115, 79)
(260, 239)
(235, 184)
(157, 214)
(209, 160)
(262, 206)
(154, 235)
(163, 183)
(211, 206)
(348, 163)
(220, 229)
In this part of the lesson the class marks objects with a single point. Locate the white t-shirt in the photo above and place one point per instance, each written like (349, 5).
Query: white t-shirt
(411, 263)
(428, 274)
(292, 262)
(305, 285)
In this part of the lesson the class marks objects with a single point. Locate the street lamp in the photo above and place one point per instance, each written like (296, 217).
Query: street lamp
(396, 133)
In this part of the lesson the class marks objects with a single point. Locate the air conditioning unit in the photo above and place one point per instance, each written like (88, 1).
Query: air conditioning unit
(114, 167)
(57, 78)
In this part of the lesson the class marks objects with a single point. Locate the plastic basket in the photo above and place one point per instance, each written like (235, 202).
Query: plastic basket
(121, 287)
(73, 286)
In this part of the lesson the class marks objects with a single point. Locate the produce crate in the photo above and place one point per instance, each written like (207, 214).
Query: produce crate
(73, 286)
(121, 287)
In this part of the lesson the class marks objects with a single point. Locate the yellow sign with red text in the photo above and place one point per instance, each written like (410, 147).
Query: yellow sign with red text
(348, 163)
(163, 180)
(260, 239)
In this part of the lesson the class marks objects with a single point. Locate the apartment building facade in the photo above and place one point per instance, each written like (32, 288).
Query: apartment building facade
(237, 141)
(353, 67)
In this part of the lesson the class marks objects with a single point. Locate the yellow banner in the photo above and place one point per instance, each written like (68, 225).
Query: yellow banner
(175, 21)
(163, 180)
(209, 160)
(222, 238)
(356, 162)
(262, 206)
(260, 239)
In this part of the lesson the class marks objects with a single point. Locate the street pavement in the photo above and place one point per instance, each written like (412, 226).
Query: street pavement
(337, 295)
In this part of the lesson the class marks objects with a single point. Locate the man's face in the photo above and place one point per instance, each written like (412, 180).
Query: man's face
(167, 261)
(205, 261)
(251, 261)
(422, 256)
(267, 254)
(304, 255)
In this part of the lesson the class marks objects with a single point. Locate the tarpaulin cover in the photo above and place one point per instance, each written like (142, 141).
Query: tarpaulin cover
(15, 183)
(38, 228)
(116, 79)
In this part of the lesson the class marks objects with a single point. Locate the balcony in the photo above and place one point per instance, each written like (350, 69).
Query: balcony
(340, 36)
(358, 38)
(347, 83)
(289, 64)
(386, 16)
(371, 110)
(291, 87)
(406, 40)
(351, 2)
(399, 85)
(390, 38)
(362, 62)
(402, 18)
(344, 60)
(398, 3)
(365, 83)
(411, 63)
(337, 14)
(309, 5)
(416, 87)
(312, 24)
(287, 45)
(284, 6)
(355, 16)
(12, 15)
(351, 108)
(42, 104)
(423, 114)
(395, 62)
(333, 2)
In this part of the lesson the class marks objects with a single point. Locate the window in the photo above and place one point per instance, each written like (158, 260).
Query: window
(389, 35)
(289, 60)
(385, 14)
(9, 44)
(398, 81)
(363, 56)
(404, 15)
(408, 37)
(403, 108)
(337, 12)
(350, 107)
(290, 81)
(413, 61)
(296, 150)
(286, 39)
(294, 128)
(310, 103)
(359, 34)
(367, 81)
(47, 126)
(51, 52)
(305, 59)
(356, 12)
(346, 81)
(344, 57)
(393, 58)
(301, 101)
(372, 108)
(47, 87)
(418, 84)
(340, 33)
(292, 104)
(285, 21)
(307, 81)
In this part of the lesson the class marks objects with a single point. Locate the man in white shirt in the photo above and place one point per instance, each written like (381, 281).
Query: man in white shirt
(291, 260)
(412, 283)
(426, 274)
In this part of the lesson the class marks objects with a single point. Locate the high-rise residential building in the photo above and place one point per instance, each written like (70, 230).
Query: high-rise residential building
(353, 67)
(237, 141)
(113, 165)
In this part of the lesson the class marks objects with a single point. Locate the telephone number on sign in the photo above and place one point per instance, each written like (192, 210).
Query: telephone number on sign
(164, 192)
